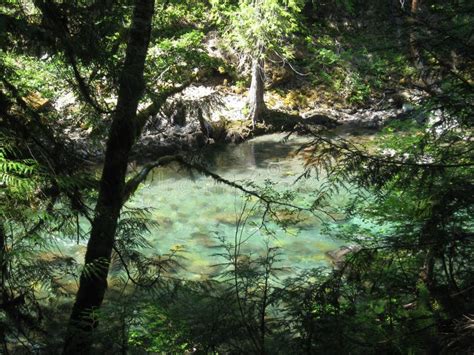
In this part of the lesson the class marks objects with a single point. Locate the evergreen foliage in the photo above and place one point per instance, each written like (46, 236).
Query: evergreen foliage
(406, 283)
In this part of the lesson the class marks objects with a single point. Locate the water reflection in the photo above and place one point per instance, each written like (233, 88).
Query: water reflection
(260, 153)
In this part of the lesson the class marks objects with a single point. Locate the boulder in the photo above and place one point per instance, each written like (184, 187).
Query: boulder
(321, 120)
(38, 102)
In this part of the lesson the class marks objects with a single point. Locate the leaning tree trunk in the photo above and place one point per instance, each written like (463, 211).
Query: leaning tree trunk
(413, 41)
(256, 92)
(93, 281)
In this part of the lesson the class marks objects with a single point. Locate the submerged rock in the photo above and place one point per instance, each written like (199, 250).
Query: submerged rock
(163, 221)
(226, 218)
(203, 239)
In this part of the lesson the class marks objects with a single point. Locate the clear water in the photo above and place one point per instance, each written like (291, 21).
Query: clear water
(193, 210)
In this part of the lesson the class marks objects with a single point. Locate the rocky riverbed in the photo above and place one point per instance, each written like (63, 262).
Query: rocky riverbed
(222, 110)
(213, 114)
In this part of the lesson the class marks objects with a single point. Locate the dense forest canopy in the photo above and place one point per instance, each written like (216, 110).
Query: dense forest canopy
(97, 96)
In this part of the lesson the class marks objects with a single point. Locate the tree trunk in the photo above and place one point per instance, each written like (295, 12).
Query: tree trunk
(3, 262)
(3, 276)
(414, 50)
(93, 281)
(396, 20)
(256, 92)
